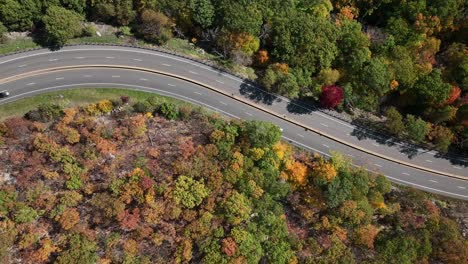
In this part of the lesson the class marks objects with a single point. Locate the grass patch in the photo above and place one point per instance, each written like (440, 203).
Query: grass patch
(95, 39)
(18, 45)
(75, 97)
(183, 46)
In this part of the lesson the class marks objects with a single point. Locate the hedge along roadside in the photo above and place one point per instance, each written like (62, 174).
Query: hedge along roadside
(242, 100)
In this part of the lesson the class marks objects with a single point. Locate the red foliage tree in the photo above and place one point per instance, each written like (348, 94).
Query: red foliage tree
(146, 182)
(331, 96)
(17, 127)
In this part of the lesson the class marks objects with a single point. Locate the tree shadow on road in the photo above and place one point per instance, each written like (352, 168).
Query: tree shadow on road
(259, 96)
(365, 129)
(301, 106)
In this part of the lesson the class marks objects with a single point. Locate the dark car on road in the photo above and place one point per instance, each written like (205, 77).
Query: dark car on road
(4, 94)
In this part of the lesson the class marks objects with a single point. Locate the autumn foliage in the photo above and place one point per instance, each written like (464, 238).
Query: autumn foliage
(133, 187)
(331, 96)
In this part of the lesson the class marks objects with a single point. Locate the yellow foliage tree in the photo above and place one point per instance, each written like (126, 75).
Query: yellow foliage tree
(282, 150)
(366, 235)
(297, 172)
(324, 171)
(105, 106)
(245, 43)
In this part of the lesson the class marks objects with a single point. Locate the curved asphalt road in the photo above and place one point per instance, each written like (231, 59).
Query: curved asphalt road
(26, 84)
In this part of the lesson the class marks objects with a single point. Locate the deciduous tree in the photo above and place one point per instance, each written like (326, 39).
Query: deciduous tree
(61, 25)
(416, 127)
(394, 122)
(189, 192)
(331, 96)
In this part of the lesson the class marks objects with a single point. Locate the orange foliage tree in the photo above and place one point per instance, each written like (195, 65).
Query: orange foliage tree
(69, 218)
(229, 246)
(365, 236)
(129, 219)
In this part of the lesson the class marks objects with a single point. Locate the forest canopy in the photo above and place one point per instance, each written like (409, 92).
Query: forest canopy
(111, 182)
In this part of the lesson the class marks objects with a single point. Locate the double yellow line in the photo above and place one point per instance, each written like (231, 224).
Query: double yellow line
(239, 99)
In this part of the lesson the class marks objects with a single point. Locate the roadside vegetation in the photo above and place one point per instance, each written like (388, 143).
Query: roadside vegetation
(128, 180)
(75, 97)
(348, 55)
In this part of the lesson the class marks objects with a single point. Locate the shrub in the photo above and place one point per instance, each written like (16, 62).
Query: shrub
(92, 109)
(185, 111)
(105, 106)
(142, 107)
(169, 110)
(45, 112)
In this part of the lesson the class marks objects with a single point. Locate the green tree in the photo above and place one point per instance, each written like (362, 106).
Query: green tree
(382, 184)
(441, 115)
(237, 208)
(338, 253)
(78, 6)
(61, 25)
(417, 128)
(202, 12)
(356, 213)
(353, 46)
(189, 192)
(394, 122)
(124, 13)
(432, 89)
(403, 66)
(376, 77)
(399, 249)
(80, 250)
(262, 134)
(249, 245)
(238, 17)
(339, 190)
(25, 214)
(19, 15)
(400, 29)
(304, 40)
